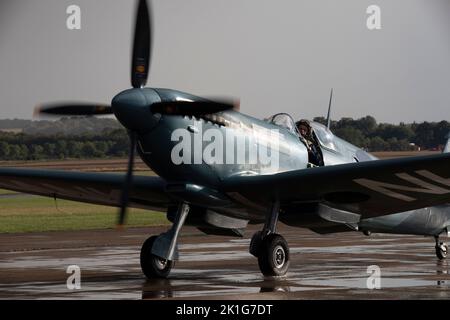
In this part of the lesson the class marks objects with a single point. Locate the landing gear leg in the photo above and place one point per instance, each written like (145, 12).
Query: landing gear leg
(158, 253)
(441, 249)
(270, 248)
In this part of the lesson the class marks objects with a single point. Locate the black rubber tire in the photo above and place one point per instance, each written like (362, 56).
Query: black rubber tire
(273, 259)
(367, 233)
(441, 252)
(255, 244)
(153, 266)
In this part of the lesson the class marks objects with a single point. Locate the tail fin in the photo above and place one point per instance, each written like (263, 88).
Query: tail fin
(447, 145)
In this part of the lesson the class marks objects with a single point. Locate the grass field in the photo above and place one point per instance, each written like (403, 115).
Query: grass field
(25, 213)
(400, 154)
(32, 214)
(5, 192)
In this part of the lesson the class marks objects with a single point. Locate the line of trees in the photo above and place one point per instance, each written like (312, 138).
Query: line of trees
(108, 143)
(368, 134)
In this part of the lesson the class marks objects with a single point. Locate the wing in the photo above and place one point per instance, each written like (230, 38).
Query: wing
(372, 188)
(96, 188)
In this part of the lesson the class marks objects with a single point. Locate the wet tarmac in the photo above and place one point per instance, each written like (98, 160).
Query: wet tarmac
(33, 266)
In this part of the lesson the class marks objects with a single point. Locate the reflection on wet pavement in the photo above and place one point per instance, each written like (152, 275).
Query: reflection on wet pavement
(322, 267)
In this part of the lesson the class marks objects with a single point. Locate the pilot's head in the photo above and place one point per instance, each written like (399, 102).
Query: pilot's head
(304, 127)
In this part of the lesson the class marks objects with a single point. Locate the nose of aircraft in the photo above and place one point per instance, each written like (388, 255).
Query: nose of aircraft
(132, 108)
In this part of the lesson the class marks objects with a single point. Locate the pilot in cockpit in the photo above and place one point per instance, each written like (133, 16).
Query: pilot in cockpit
(306, 135)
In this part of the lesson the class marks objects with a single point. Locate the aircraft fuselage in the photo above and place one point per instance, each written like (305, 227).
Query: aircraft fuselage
(206, 149)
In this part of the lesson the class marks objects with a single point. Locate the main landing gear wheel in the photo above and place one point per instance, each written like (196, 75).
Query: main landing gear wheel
(255, 243)
(273, 258)
(441, 250)
(153, 266)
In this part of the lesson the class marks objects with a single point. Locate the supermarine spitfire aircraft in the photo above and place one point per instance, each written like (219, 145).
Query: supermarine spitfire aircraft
(347, 191)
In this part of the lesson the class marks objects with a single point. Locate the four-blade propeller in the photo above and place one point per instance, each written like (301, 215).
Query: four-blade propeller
(140, 66)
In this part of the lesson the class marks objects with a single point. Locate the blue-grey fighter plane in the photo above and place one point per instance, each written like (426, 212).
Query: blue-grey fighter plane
(343, 189)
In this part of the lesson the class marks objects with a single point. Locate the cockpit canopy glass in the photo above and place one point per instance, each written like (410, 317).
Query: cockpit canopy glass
(325, 137)
(283, 120)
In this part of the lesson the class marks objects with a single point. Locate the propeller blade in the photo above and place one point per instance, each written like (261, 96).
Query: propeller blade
(194, 108)
(73, 109)
(141, 47)
(128, 181)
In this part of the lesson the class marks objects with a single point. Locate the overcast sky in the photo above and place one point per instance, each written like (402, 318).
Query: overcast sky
(276, 56)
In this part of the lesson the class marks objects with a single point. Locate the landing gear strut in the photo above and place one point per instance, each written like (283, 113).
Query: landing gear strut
(441, 249)
(270, 248)
(158, 253)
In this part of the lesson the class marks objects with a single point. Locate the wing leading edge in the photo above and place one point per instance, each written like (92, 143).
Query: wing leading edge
(371, 189)
(95, 188)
